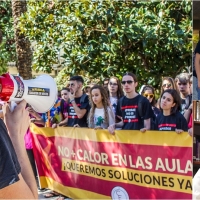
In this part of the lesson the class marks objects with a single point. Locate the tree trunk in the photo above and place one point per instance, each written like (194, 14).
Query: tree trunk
(1, 36)
(23, 46)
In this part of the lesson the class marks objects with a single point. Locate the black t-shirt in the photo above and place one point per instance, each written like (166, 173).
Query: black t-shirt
(72, 116)
(171, 122)
(197, 50)
(9, 165)
(128, 110)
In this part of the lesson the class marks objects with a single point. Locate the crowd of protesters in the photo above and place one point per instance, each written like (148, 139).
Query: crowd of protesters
(115, 105)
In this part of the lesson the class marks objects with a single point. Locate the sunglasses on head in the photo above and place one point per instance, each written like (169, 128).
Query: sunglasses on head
(110, 83)
(129, 82)
(148, 95)
(167, 85)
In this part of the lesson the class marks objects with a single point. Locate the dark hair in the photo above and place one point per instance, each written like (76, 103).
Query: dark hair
(171, 80)
(176, 100)
(119, 90)
(86, 88)
(65, 88)
(149, 87)
(105, 79)
(132, 75)
(77, 78)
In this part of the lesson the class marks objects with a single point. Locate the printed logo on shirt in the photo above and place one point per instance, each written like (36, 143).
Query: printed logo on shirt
(130, 113)
(72, 113)
(98, 121)
(166, 127)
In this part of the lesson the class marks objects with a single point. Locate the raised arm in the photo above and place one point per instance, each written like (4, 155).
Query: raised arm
(17, 123)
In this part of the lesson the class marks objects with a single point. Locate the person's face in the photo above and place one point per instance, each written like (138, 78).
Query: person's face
(183, 87)
(128, 84)
(74, 86)
(112, 85)
(167, 101)
(65, 95)
(105, 84)
(96, 97)
(149, 95)
(167, 85)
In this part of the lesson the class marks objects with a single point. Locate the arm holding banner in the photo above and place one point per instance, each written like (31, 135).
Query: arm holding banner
(17, 123)
(112, 127)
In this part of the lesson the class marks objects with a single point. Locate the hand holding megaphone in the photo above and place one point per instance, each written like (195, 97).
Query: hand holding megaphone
(40, 93)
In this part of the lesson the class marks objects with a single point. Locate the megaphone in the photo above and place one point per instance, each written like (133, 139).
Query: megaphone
(40, 93)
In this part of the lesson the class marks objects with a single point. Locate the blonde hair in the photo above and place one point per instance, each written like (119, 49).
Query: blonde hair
(105, 102)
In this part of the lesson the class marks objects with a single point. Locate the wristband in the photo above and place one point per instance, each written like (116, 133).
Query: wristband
(72, 100)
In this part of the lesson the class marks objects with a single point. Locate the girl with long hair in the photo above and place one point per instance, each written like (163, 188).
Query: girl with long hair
(170, 118)
(115, 92)
(149, 92)
(167, 83)
(101, 115)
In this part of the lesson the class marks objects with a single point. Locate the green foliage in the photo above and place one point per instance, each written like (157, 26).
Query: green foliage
(7, 46)
(106, 38)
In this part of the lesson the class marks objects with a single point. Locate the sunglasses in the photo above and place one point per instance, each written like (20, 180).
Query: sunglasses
(182, 83)
(148, 95)
(129, 82)
(110, 83)
(167, 85)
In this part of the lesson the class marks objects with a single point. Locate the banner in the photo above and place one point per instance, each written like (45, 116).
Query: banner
(84, 163)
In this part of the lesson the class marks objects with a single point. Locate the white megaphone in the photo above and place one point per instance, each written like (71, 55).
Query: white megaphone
(40, 93)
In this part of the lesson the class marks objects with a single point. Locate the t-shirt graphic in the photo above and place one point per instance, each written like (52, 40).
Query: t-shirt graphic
(72, 116)
(171, 122)
(130, 113)
(166, 127)
(183, 105)
(128, 110)
(113, 102)
(98, 121)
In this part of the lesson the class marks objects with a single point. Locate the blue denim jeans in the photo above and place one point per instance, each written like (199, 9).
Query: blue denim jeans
(196, 90)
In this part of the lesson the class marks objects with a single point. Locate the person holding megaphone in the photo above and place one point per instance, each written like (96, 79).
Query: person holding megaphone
(16, 176)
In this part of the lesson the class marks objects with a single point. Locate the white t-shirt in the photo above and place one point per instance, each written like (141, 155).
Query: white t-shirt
(99, 117)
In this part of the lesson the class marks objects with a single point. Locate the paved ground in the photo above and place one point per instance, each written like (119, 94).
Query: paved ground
(42, 193)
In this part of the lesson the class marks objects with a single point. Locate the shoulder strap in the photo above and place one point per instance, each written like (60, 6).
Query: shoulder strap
(62, 105)
(120, 102)
(140, 110)
(83, 98)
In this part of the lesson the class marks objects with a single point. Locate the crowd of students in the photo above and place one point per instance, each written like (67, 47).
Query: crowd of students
(116, 104)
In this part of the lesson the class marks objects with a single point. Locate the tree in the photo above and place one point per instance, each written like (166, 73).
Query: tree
(7, 42)
(23, 46)
(105, 38)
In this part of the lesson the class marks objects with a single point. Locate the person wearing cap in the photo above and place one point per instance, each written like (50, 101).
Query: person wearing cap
(16, 177)
(79, 103)
(134, 110)
(183, 84)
